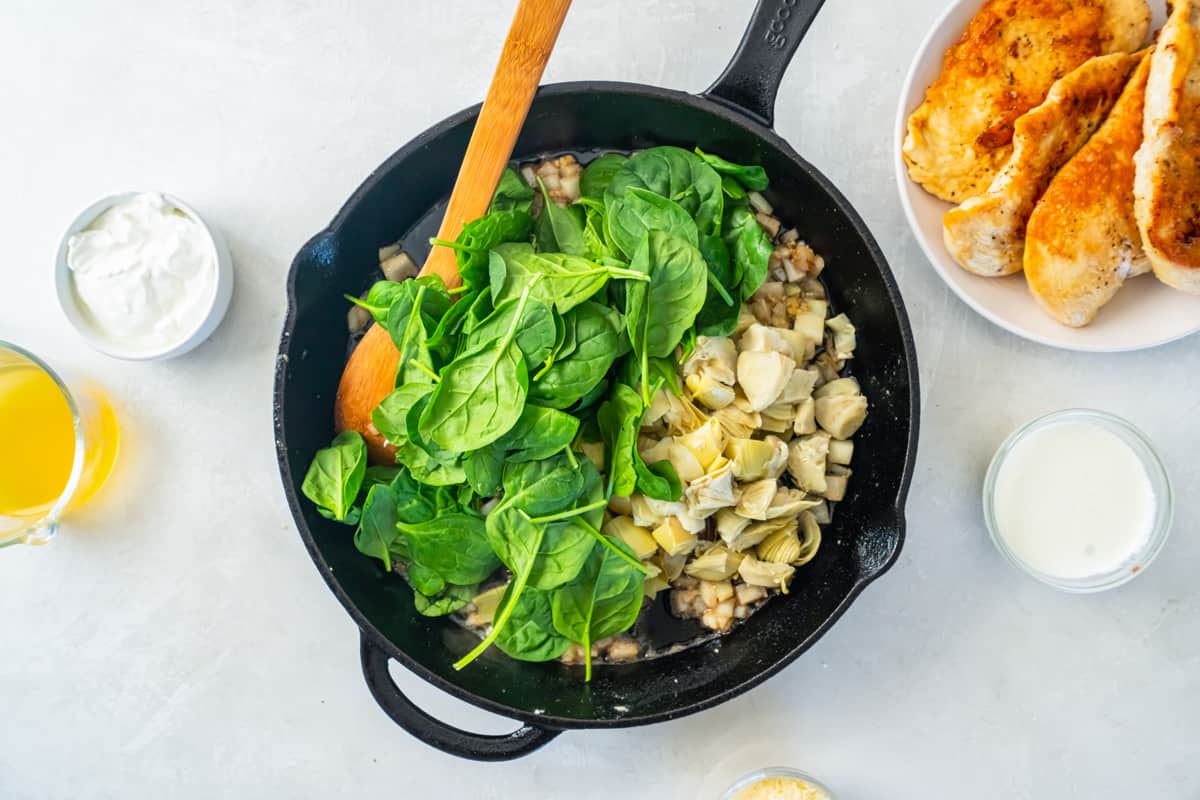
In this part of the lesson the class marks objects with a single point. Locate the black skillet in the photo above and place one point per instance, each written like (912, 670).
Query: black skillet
(404, 200)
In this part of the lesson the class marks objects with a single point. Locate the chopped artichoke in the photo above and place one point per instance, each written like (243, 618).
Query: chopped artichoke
(806, 417)
(810, 539)
(779, 457)
(827, 366)
(750, 457)
(841, 415)
(844, 340)
(822, 512)
(838, 387)
(763, 377)
(799, 386)
(671, 566)
(711, 492)
(730, 525)
(765, 339)
(660, 404)
(654, 585)
(755, 532)
(646, 512)
(716, 564)
(638, 538)
(790, 502)
(778, 419)
(592, 451)
(681, 415)
(687, 467)
(836, 481)
(691, 524)
(746, 318)
(709, 391)
(810, 322)
(756, 498)
(781, 547)
(714, 357)
(806, 461)
(652, 451)
(706, 442)
(620, 505)
(765, 573)
(738, 422)
(486, 603)
(673, 538)
(841, 451)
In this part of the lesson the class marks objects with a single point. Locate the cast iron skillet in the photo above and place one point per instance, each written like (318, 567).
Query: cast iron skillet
(404, 199)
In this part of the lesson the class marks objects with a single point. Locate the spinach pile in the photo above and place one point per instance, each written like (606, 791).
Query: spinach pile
(564, 328)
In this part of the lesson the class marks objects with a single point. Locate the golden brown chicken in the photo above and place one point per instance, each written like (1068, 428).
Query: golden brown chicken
(986, 234)
(1010, 54)
(1082, 242)
(1167, 175)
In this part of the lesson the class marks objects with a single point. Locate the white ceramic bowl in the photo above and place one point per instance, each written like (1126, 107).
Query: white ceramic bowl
(1145, 313)
(217, 304)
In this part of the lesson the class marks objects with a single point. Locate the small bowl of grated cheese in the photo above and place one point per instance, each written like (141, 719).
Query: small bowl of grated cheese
(142, 277)
(777, 783)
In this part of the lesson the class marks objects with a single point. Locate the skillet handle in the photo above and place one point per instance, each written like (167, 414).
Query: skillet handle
(751, 80)
(434, 732)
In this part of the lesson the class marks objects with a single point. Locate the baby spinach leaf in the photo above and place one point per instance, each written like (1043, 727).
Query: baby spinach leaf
(594, 395)
(538, 434)
(530, 633)
(658, 480)
(379, 475)
(719, 315)
(678, 175)
(335, 476)
(557, 279)
(454, 545)
(424, 580)
(659, 313)
(661, 372)
(596, 347)
(410, 338)
(566, 545)
(535, 330)
(480, 395)
(603, 600)
(599, 173)
(483, 468)
(412, 504)
(390, 417)
(539, 487)
(752, 177)
(479, 236)
(512, 192)
(638, 211)
(750, 248)
(377, 527)
(379, 299)
(559, 229)
(733, 190)
(451, 323)
(453, 598)
(618, 419)
(481, 309)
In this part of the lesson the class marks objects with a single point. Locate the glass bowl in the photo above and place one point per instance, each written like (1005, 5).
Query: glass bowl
(774, 772)
(1155, 472)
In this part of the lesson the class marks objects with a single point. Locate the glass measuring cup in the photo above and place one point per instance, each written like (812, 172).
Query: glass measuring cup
(57, 446)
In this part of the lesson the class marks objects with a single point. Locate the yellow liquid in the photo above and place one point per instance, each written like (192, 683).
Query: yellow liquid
(37, 442)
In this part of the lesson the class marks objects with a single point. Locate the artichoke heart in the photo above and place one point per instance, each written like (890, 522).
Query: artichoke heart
(755, 532)
(810, 321)
(841, 414)
(716, 564)
(709, 391)
(763, 377)
(714, 357)
(486, 603)
(781, 547)
(806, 417)
(790, 502)
(673, 538)
(765, 573)
(706, 442)
(750, 457)
(756, 498)
(638, 538)
(799, 386)
(686, 465)
(712, 491)
(730, 525)
(844, 340)
(806, 461)
(738, 422)
(810, 538)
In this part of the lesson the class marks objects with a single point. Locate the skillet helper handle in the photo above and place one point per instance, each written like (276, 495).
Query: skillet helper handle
(750, 82)
(434, 732)
(530, 39)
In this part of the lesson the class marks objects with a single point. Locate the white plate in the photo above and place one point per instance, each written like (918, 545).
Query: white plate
(1145, 313)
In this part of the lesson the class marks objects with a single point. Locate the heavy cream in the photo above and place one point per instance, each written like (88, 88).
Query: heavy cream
(144, 273)
(1073, 500)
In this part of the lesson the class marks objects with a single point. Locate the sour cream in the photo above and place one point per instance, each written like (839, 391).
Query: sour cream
(144, 273)
(1072, 499)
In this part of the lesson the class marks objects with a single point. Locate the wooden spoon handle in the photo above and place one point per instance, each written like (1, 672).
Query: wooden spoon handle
(370, 373)
(526, 50)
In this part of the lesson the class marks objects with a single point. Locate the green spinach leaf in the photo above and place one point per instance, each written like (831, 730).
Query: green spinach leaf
(539, 433)
(598, 174)
(539, 487)
(478, 237)
(597, 345)
(530, 634)
(454, 545)
(750, 248)
(512, 192)
(336, 475)
(484, 467)
(638, 211)
(557, 279)
(559, 229)
(379, 299)
(377, 527)
(678, 175)
(453, 598)
(535, 330)
(753, 178)
(424, 580)
(618, 418)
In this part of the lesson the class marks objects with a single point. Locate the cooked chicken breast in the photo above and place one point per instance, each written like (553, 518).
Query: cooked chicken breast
(1010, 54)
(1166, 185)
(1082, 241)
(986, 234)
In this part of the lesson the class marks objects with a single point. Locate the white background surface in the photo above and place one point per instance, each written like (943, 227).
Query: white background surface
(176, 641)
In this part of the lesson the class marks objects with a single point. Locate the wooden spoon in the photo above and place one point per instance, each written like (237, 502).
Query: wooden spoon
(370, 373)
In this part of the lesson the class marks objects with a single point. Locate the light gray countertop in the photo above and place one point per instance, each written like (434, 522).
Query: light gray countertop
(176, 641)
